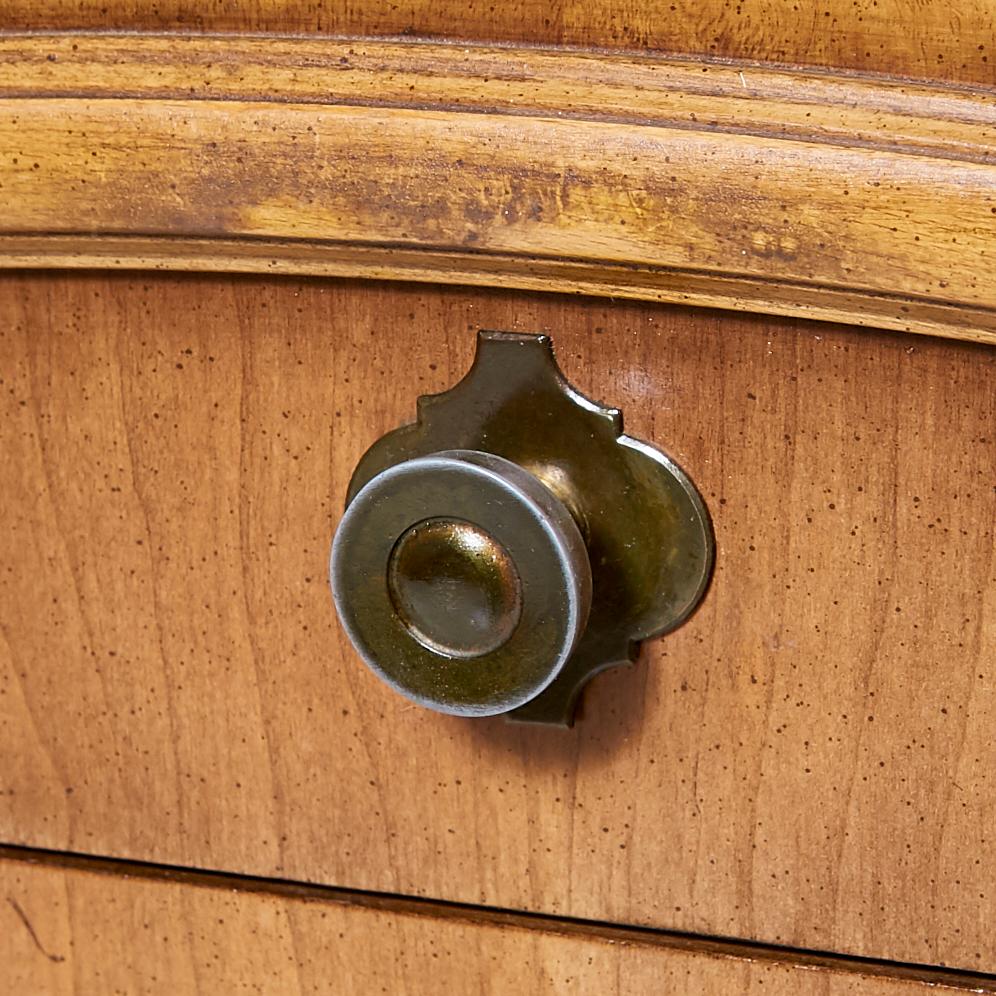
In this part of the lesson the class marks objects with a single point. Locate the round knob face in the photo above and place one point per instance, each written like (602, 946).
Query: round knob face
(455, 587)
(462, 581)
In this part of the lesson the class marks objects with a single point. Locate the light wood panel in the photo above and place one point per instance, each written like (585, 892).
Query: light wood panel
(828, 197)
(926, 38)
(808, 761)
(74, 929)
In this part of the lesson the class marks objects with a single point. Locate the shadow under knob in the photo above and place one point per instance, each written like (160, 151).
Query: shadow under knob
(462, 581)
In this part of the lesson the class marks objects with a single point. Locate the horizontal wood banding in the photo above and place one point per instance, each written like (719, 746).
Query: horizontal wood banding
(934, 39)
(837, 198)
(72, 924)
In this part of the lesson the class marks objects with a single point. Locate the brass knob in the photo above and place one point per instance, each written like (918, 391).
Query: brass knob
(462, 580)
(512, 542)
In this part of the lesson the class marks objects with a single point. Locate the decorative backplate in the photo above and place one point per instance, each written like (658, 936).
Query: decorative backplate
(646, 529)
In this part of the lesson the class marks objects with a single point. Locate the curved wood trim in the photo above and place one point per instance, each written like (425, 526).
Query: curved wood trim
(856, 199)
(925, 39)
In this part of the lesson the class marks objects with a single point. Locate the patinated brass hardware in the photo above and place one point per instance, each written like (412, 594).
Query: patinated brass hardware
(511, 543)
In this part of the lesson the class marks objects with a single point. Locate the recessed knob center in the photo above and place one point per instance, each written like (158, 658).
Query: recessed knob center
(455, 587)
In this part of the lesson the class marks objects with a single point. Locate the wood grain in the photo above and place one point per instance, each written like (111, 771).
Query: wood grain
(808, 761)
(77, 929)
(933, 39)
(869, 202)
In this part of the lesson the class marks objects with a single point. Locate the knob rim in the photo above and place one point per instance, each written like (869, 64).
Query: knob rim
(520, 512)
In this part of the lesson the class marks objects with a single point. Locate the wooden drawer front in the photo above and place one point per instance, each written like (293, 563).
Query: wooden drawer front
(808, 761)
(74, 930)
